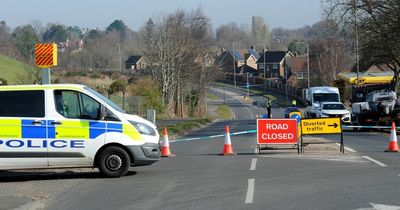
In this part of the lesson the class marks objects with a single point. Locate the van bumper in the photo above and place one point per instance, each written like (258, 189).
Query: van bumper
(145, 154)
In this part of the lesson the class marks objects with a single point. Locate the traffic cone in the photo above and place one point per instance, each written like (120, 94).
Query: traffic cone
(165, 151)
(393, 146)
(228, 150)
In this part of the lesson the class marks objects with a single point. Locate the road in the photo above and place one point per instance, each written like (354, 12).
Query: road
(199, 178)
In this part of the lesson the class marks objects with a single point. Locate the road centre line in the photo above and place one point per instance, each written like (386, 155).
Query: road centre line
(253, 164)
(347, 148)
(375, 161)
(250, 191)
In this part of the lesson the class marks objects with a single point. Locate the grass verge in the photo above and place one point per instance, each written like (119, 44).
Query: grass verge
(212, 96)
(183, 127)
(224, 112)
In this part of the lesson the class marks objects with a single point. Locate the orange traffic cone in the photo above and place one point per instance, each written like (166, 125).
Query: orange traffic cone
(228, 150)
(393, 146)
(165, 151)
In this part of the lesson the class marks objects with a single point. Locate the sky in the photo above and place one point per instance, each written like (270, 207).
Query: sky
(93, 14)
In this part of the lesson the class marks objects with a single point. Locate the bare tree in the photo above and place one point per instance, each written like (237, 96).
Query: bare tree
(171, 44)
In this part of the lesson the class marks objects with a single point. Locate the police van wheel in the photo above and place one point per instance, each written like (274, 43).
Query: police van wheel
(114, 162)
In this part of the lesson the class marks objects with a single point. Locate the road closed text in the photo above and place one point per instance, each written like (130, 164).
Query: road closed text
(277, 131)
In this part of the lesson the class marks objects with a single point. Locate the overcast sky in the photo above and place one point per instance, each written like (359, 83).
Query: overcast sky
(100, 13)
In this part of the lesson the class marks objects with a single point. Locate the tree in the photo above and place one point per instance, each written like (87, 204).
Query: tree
(56, 33)
(119, 27)
(74, 33)
(378, 28)
(232, 33)
(119, 85)
(260, 31)
(25, 38)
(178, 39)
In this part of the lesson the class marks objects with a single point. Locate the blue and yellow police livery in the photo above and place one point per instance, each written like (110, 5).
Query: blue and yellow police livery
(56, 126)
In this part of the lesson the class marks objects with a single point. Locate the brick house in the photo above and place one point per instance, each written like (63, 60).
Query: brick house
(136, 63)
(275, 64)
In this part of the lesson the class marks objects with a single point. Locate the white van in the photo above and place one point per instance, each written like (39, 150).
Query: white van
(68, 125)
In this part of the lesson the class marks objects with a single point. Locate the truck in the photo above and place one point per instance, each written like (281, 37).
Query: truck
(375, 105)
(315, 96)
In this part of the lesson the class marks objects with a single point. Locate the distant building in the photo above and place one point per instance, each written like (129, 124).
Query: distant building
(275, 64)
(136, 63)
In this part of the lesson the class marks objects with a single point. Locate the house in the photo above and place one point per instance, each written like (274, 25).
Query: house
(206, 60)
(228, 60)
(136, 63)
(251, 58)
(298, 68)
(275, 64)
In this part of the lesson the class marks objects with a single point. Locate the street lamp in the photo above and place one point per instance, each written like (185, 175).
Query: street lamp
(119, 53)
(234, 65)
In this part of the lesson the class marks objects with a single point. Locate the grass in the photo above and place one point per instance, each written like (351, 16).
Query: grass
(212, 96)
(182, 127)
(12, 70)
(224, 112)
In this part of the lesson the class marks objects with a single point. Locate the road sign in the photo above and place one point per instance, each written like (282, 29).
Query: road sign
(276, 131)
(295, 115)
(321, 126)
(46, 55)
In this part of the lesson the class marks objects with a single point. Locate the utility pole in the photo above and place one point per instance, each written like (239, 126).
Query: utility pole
(247, 84)
(308, 66)
(356, 33)
(264, 61)
(119, 53)
(234, 65)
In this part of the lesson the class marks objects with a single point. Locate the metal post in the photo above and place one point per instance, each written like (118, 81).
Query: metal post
(234, 65)
(46, 79)
(356, 31)
(308, 66)
(247, 84)
(264, 61)
(119, 53)
(224, 94)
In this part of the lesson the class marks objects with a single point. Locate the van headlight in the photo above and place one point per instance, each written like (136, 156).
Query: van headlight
(143, 128)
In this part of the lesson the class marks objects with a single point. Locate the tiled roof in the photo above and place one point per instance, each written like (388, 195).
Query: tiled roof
(133, 59)
(299, 63)
(272, 57)
(254, 53)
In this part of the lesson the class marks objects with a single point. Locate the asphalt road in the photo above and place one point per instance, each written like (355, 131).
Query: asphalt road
(199, 178)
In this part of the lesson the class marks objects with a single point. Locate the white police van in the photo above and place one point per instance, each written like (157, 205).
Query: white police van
(61, 126)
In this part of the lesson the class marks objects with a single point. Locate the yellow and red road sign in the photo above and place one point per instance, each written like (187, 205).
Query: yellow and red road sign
(276, 131)
(46, 55)
(321, 126)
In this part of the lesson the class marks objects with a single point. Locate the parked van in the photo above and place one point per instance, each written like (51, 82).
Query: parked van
(68, 125)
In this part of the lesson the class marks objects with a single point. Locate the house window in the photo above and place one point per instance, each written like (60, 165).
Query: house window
(275, 66)
(261, 66)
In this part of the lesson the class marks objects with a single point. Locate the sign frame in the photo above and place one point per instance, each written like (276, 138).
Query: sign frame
(341, 149)
(339, 121)
(292, 121)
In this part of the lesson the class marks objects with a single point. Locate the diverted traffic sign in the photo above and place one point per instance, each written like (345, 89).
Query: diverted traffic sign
(46, 55)
(321, 126)
(276, 131)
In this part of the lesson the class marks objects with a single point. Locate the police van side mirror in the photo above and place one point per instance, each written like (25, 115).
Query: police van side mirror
(103, 112)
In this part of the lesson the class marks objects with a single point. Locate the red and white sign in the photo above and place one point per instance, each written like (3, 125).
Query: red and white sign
(276, 131)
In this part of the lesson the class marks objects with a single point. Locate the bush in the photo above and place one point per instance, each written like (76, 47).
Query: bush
(3, 81)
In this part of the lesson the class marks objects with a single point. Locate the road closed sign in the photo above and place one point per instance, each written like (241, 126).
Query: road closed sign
(276, 131)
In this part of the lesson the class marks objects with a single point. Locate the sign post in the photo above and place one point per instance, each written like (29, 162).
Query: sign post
(322, 126)
(277, 131)
(46, 57)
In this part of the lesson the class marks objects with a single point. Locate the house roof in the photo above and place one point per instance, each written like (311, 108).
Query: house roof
(254, 53)
(237, 55)
(272, 57)
(248, 69)
(133, 59)
(298, 64)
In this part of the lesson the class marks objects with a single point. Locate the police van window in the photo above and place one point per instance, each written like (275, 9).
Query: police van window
(67, 103)
(72, 104)
(22, 103)
(90, 108)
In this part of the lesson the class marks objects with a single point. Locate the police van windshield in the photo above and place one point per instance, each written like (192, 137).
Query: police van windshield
(108, 101)
(326, 97)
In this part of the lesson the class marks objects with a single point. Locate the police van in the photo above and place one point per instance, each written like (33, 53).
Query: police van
(69, 125)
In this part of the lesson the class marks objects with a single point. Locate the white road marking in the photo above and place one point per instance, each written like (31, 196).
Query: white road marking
(348, 148)
(250, 191)
(253, 164)
(251, 113)
(375, 161)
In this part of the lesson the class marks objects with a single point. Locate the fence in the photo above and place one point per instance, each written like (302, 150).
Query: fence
(270, 84)
(133, 104)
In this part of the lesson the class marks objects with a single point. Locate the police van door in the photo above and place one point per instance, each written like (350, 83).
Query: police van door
(22, 129)
(76, 132)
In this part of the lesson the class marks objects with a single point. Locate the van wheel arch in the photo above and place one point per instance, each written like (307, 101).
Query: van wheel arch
(97, 156)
